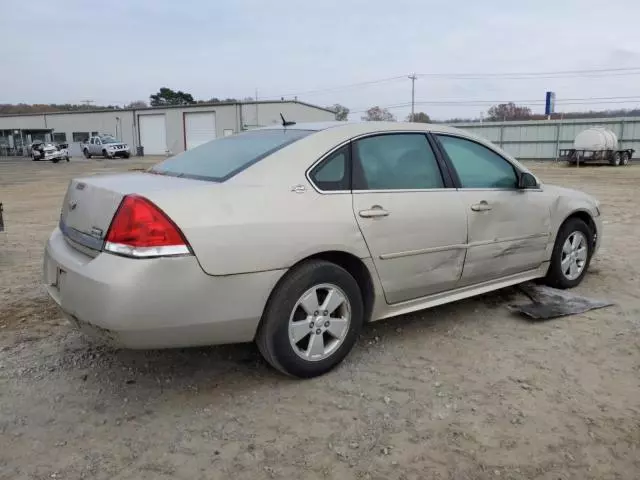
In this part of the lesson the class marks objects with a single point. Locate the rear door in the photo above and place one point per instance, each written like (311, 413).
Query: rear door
(414, 225)
(508, 227)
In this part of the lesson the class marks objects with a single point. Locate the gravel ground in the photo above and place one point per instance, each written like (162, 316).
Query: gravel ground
(462, 391)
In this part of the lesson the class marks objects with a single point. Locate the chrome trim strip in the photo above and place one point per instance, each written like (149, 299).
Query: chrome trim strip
(80, 238)
(458, 246)
(407, 190)
(409, 253)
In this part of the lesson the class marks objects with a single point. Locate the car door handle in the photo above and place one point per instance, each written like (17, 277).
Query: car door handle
(483, 206)
(375, 211)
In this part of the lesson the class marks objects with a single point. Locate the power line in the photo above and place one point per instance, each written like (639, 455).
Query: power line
(544, 74)
(343, 87)
(530, 102)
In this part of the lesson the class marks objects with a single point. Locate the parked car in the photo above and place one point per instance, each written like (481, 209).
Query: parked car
(296, 236)
(106, 146)
(49, 151)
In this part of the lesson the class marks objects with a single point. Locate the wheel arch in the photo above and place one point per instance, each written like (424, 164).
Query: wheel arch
(351, 263)
(587, 218)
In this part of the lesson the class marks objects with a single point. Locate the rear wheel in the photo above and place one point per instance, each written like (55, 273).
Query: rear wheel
(625, 158)
(312, 320)
(86, 153)
(571, 255)
(615, 159)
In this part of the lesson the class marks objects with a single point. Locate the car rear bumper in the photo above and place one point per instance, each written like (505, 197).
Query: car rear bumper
(153, 303)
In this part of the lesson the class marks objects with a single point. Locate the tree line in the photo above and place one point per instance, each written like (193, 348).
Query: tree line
(167, 97)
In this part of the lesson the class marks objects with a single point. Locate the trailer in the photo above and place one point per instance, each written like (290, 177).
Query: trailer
(597, 144)
(613, 157)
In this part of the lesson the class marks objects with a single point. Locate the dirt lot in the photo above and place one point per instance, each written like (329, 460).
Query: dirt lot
(463, 391)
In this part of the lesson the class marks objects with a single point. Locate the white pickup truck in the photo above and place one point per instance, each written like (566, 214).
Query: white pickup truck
(105, 146)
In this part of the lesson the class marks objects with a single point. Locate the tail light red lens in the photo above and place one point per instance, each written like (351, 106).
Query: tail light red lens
(140, 229)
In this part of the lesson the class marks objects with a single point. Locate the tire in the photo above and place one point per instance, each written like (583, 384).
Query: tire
(558, 274)
(86, 153)
(66, 158)
(615, 159)
(127, 155)
(624, 160)
(105, 154)
(310, 280)
(55, 160)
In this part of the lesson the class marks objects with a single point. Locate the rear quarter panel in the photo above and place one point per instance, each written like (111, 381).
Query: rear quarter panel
(240, 229)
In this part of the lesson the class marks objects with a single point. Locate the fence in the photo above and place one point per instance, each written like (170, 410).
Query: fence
(542, 139)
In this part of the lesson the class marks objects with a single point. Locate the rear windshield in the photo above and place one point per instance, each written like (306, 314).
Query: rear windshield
(222, 158)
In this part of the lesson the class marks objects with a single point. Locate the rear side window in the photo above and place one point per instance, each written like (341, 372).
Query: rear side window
(476, 165)
(220, 159)
(333, 173)
(395, 162)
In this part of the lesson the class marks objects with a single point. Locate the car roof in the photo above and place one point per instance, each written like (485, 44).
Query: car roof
(360, 127)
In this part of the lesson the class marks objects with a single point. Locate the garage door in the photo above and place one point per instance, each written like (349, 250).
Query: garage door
(199, 128)
(153, 134)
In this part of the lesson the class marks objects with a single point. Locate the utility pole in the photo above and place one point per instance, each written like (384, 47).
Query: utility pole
(86, 102)
(413, 77)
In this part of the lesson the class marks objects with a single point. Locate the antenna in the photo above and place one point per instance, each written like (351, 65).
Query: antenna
(284, 122)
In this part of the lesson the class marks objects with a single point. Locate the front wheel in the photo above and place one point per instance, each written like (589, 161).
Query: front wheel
(571, 255)
(127, 155)
(312, 320)
(86, 153)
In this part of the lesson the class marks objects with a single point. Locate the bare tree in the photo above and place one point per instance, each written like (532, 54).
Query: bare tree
(342, 112)
(377, 114)
(137, 104)
(419, 117)
(508, 111)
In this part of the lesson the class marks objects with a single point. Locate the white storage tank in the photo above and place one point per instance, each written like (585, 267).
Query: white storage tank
(596, 138)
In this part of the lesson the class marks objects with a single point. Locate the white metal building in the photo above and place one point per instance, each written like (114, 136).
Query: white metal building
(158, 129)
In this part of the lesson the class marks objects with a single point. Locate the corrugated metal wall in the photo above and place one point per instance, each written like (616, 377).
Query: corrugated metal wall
(541, 139)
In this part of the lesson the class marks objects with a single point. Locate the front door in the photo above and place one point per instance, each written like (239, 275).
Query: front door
(508, 227)
(415, 227)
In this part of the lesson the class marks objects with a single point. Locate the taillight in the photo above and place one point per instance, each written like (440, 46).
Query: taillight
(140, 229)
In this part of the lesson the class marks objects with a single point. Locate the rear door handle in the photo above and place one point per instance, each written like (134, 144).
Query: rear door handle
(483, 206)
(375, 211)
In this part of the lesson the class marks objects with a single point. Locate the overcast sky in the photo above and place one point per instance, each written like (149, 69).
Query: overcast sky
(116, 51)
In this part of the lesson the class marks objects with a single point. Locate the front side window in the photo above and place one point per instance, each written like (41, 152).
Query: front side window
(333, 172)
(395, 162)
(476, 165)
(224, 157)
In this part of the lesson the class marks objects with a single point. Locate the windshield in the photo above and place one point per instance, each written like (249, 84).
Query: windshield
(221, 159)
(109, 140)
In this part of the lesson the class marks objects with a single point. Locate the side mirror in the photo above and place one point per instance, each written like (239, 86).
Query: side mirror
(526, 180)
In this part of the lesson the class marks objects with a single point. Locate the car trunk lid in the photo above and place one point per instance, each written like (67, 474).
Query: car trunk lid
(90, 203)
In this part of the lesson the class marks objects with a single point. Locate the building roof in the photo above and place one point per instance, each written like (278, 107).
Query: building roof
(191, 105)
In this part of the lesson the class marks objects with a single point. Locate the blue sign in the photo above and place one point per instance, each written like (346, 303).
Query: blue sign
(550, 103)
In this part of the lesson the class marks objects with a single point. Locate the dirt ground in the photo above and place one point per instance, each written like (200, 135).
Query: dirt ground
(463, 391)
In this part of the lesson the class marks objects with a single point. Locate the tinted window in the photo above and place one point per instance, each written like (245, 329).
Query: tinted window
(333, 172)
(222, 158)
(398, 161)
(477, 166)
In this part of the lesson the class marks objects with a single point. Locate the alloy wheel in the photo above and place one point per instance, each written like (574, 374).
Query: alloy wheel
(319, 322)
(575, 251)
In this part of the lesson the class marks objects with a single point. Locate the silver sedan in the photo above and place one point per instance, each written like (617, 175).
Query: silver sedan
(295, 236)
